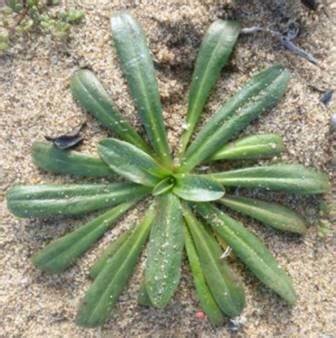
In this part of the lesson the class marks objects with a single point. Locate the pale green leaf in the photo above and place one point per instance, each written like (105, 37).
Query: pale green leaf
(164, 186)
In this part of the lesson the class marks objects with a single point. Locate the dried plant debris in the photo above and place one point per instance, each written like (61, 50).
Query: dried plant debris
(67, 141)
(326, 97)
(333, 123)
(311, 4)
(286, 40)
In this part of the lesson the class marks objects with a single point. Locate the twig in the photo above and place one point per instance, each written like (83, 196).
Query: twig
(19, 20)
(286, 41)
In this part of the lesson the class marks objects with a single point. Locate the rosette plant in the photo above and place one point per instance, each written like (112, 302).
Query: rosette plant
(187, 207)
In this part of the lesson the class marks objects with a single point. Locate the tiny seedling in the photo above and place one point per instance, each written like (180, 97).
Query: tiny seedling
(188, 207)
(22, 17)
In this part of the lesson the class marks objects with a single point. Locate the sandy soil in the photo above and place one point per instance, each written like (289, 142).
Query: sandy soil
(36, 101)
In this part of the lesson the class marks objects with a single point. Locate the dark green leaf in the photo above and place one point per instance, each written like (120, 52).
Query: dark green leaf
(138, 68)
(197, 188)
(90, 93)
(113, 278)
(205, 297)
(272, 214)
(163, 266)
(291, 178)
(227, 293)
(250, 250)
(143, 298)
(214, 53)
(131, 162)
(251, 148)
(108, 253)
(46, 200)
(49, 158)
(63, 252)
(261, 93)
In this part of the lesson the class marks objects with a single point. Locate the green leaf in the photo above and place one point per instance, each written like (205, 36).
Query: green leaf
(46, 200)
(48, 157)
(251, 148)
(163, 266)
(164, 186)
(205, 297)
(108, 253)
(131, 162)
(113, 278)
(90, 93)
(63, 252)
(214, 53)
(197, 188)
(143, 298)
(272, 214)
(74, 16)
(138, 68)
(291, 178)
(250, 250)
(224, 288)
(4, 46)
(261, 93)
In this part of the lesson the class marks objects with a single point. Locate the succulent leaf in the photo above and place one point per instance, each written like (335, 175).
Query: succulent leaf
(250, 250)
(169, 222)
(259, 94)
(47, 157)
(197, 188)
(205, 297)
(164, 186)
(292, 178)
(163, 266)
(130, 162)
(214, 53)
(143, 298)
(272, 214)
(227, 293)
(63, 252)
(138, 69)
(251, 148)
(112, 279)
(46, 200)
(108, 253)
(91, 95)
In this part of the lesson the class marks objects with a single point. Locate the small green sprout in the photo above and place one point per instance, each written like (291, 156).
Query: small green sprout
(21, 17)
(188, 207)
(326, 218)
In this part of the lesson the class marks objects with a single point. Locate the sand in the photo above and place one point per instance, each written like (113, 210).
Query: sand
(36, 101)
